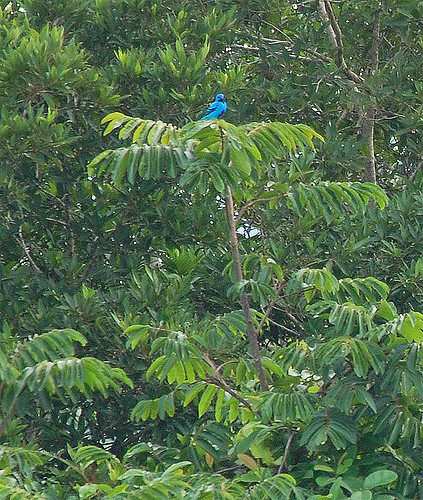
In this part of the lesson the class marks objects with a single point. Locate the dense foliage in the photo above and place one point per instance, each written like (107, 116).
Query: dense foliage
(213, 309)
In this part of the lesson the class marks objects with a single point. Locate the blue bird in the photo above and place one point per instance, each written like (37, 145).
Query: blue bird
(216, 108)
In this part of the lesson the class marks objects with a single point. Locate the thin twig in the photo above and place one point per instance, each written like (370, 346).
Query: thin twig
(269, 309)
(67, 224)
(243, 209)
(344, 114)
(93, 257)
(283, 327)
(282, 466)
(230, 391)
(26, 248)
(219, 381)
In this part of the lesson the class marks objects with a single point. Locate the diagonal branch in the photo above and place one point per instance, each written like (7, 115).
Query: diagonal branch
(334, 33)
(244, 299)
(282, 466)
(243, 209)
(366, 112)
(27, 249)
(335, 26)
(336, 41)
(270, 307)
(220, 382)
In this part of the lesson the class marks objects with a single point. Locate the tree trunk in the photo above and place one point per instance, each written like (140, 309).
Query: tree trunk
(367, 114)
(367, 132)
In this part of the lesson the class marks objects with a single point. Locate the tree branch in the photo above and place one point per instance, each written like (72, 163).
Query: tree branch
(243, 209)
(219, 381)
(65, 205)
(244, 299)
(92, 258)
(283, 327)
(334, 33)
(335, 26)
(26, 248)
(269, 309)
(282, 466)
(336, 41)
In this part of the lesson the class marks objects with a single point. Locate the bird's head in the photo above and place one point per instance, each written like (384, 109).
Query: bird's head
(220, 97)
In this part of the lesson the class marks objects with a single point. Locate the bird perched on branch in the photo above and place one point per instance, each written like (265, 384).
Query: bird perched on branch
(216, 108)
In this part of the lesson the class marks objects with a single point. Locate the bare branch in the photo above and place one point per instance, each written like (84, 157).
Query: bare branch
(243, 209)
(283, 327)
(219, 381)
(368, 115)
(243, 298)
(344, 114)
(317, 55)
(285, 454)
(27, 249)
(269, 309)
(335, 26)
(334, 33)
(92, 259)
(322, 8)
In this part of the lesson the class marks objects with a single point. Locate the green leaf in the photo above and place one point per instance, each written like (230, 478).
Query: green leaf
(219, 404)
(366, 398)
(217, 180)
(206, 399)
(244, 445)
(380, 478)
(412, 327)
(89, 454)
(193, 391)
(361, 495)
(137, 334)
(155, 366)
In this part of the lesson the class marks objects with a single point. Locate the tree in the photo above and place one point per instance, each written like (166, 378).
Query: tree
(184, 362)
(138, 263)
(342, 62)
